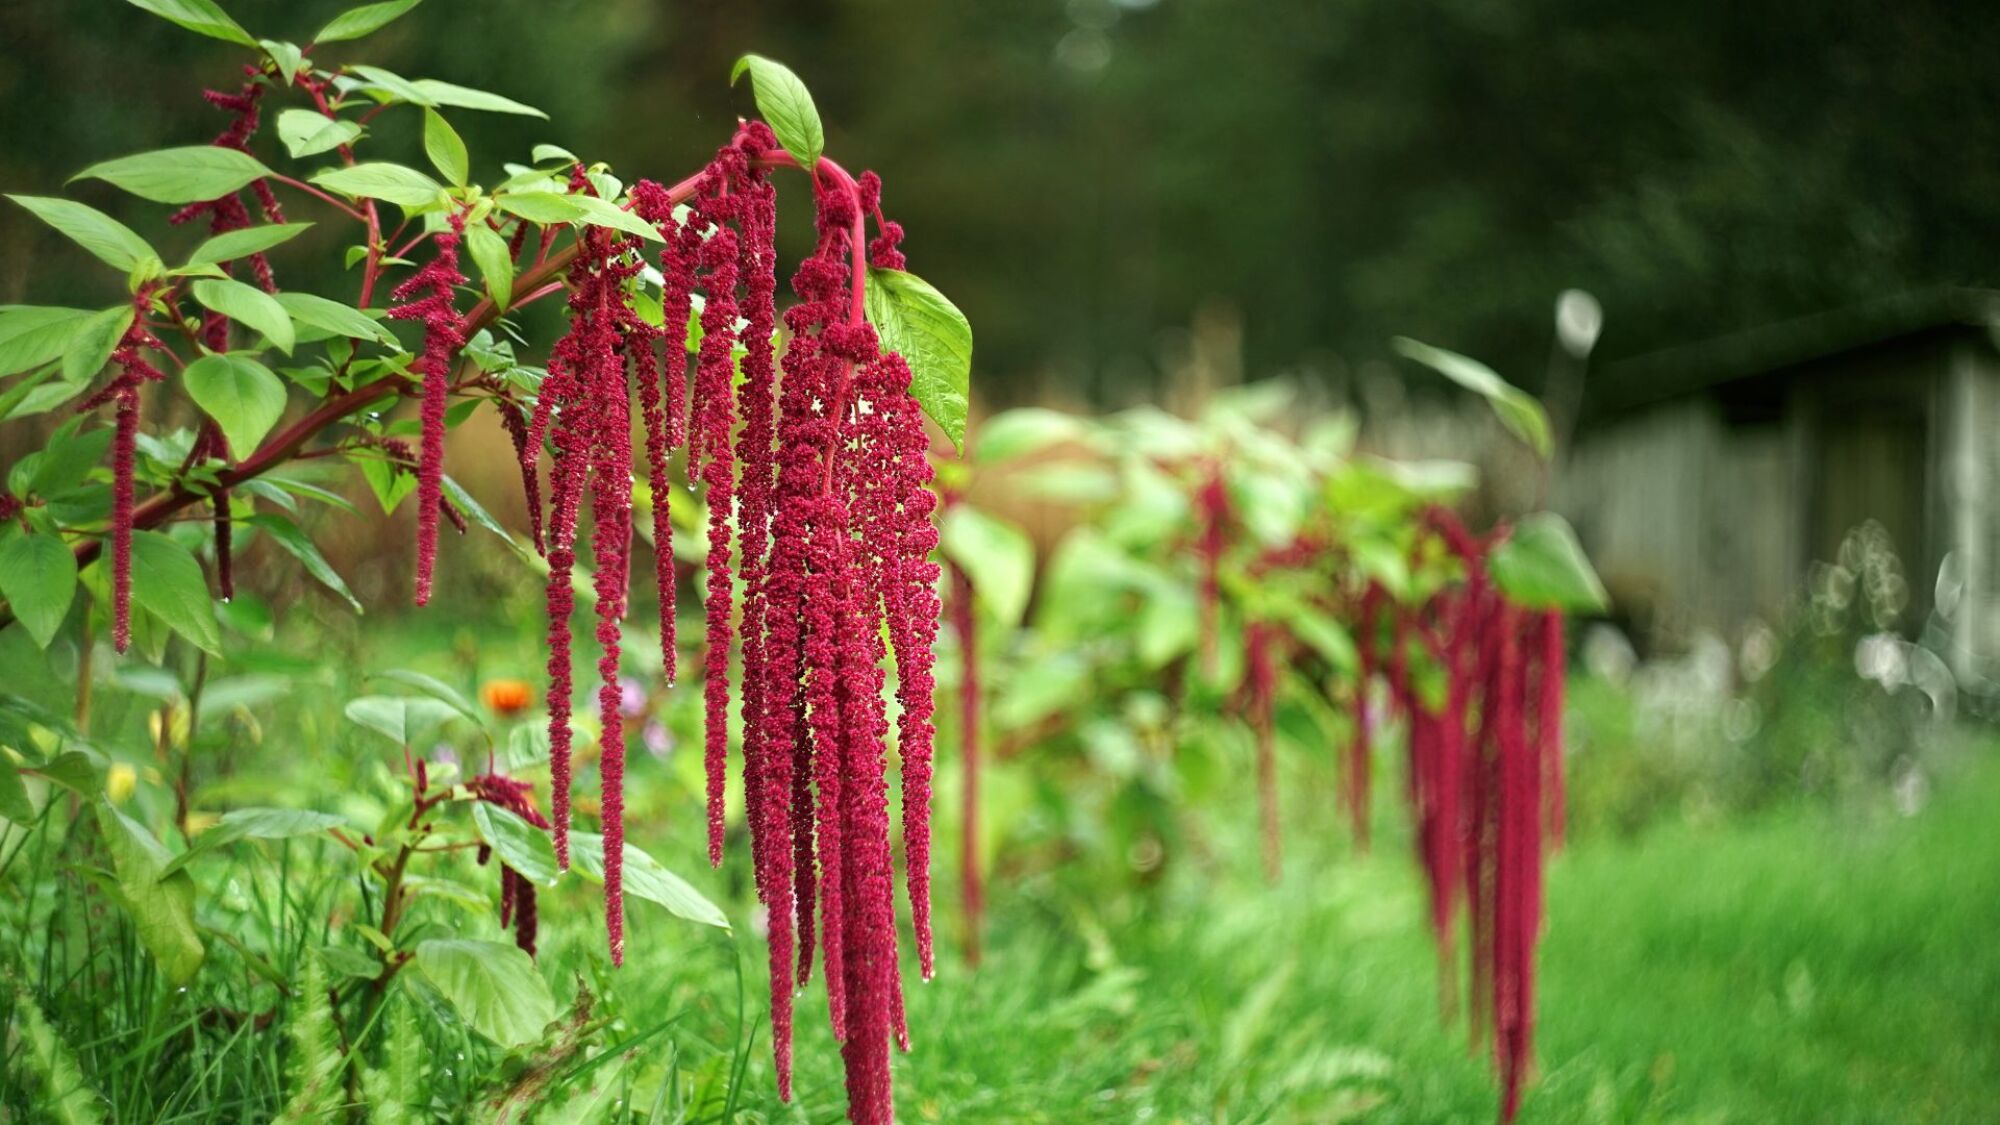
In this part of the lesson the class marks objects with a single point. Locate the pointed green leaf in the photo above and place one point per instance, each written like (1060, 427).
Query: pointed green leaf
(445, 148)
(285, 56)
(32, 335)
(167, 582)
(308, 132)
(364, 20)
(462, 97)
(787, 107)
(255, 824)
(38, 579)
(250, 305)
(402, 719)
(300, 546)
(1542, 566)
(91, 347)
(933, 337)
(202, 16)
(194, 174)
(332, 316)
(645, 878)
(405, 187)
(391, 83)
(231, 245)
(541, 206)
(162, 909)
(521, 845)
(114, 243)
(492, 986)
(496, 265)
(603, 213)
(1517, 409)
(242, 395)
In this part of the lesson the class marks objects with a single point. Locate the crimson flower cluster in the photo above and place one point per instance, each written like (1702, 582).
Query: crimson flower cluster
(1485, 776)
(428, 296)
(517, 893)
(134, 371)
(816, 481)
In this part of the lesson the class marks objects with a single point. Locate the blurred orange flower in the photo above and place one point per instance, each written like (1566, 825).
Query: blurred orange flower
(506, 697)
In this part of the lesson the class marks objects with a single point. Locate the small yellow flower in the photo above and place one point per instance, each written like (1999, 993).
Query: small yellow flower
(119, 781)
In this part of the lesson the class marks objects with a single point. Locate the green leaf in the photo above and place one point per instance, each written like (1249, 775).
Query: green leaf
(38, 579)
(18, 394)
(916, 321)
(387, 479)
(231, 245)
(114, 243)
(333, 316)
(286, 56)
(194, 174)
(787, 107)
(435, 688)
(645, 878)
(161, 906)
(73, 770)
(527, 745)
(405, 187)
(1542, 566)
(521, 845)
(462, 97)
(998, 557)
(603, 213)
(255, 824)
(1028, 429)
(391, 83)
(403, 719)
(250, 305)
(202, 16)
(308, 132)
(1517, 409)
(445, 148)
(300, 546)
(167, 582)
(61, 462)
(14, 803)
(32, 335)
(242, 395)
(496, 264)
(364, 20)
(541, 206)
(492, 986)
(93, 344)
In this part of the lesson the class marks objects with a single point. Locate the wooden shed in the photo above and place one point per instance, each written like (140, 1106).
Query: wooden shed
(1704, 480)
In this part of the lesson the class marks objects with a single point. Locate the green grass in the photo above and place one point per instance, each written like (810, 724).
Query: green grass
(1808, 967)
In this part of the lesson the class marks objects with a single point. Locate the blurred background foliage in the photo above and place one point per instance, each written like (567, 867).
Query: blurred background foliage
(1084, 176)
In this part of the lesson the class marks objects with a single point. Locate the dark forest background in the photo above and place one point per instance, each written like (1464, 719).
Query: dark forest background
(1083, 177)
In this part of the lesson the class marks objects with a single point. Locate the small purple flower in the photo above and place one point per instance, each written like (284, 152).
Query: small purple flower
(658, 739)
(631, 697)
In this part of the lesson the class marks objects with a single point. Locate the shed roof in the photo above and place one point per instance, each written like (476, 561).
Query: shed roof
(1685, 369)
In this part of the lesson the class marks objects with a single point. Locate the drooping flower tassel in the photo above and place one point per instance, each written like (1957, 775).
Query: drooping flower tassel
(427, 296)
(134, 370)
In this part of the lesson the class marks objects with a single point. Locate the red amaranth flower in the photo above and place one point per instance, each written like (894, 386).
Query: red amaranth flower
(134, 370)
(710, 441)
(427, 296)
(1260, 684)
